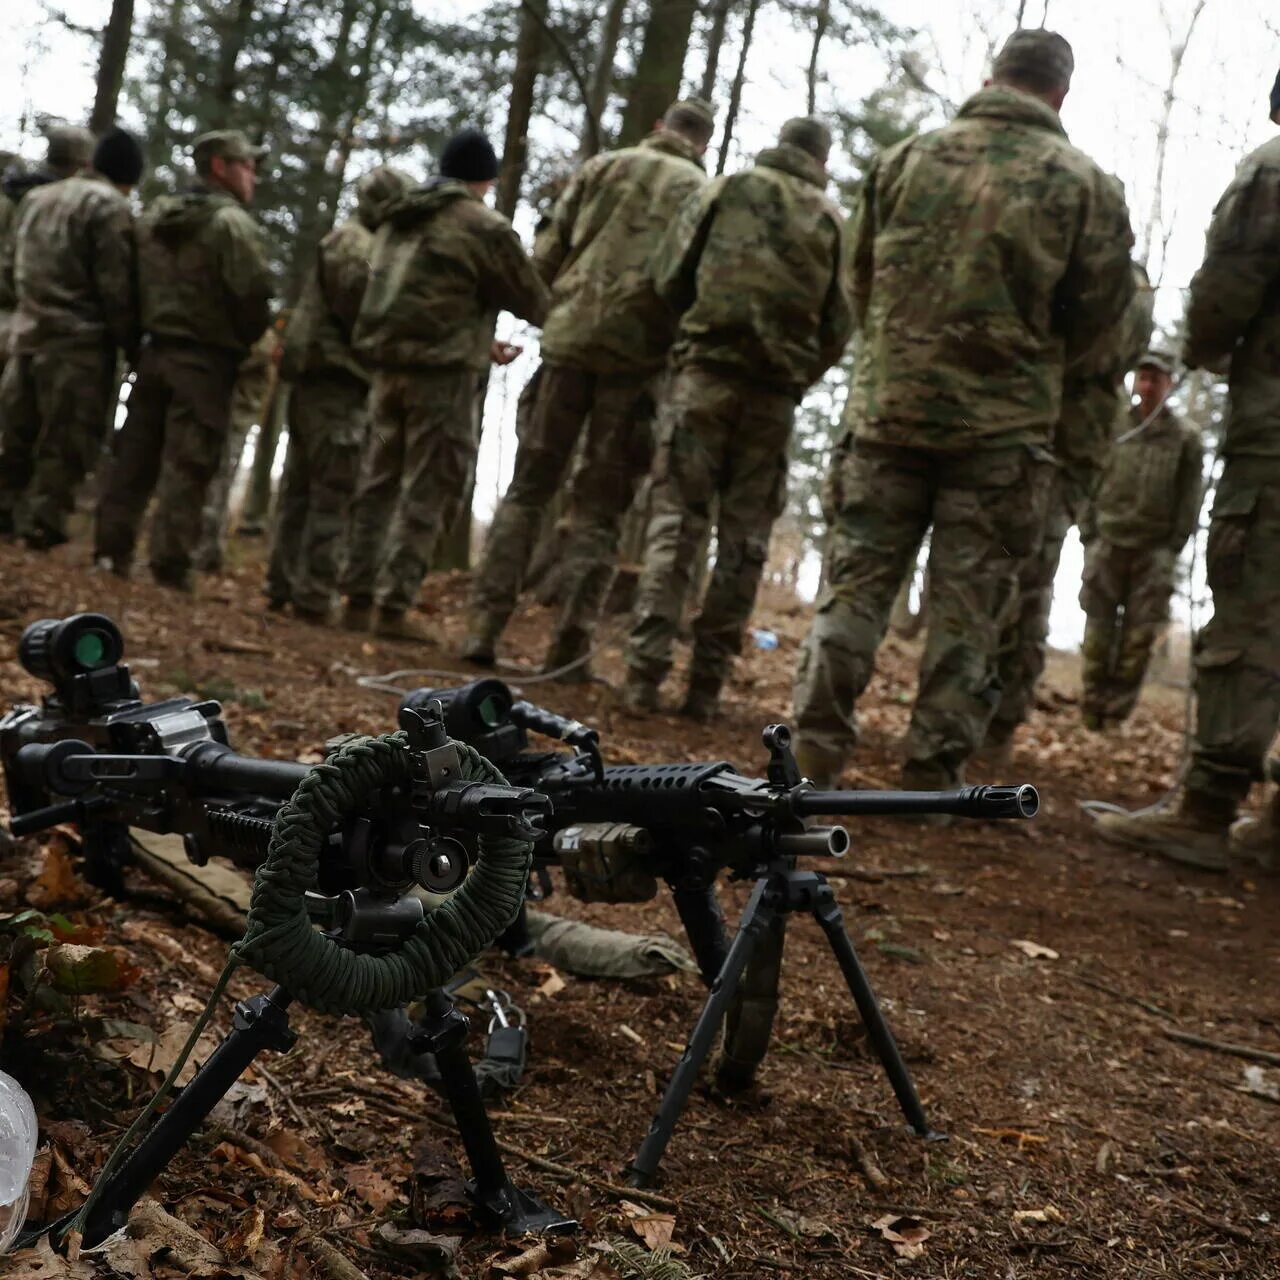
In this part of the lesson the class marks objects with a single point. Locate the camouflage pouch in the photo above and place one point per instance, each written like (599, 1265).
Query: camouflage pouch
(606, 862)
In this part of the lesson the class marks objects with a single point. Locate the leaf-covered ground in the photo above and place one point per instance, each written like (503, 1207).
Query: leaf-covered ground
(1036, 977)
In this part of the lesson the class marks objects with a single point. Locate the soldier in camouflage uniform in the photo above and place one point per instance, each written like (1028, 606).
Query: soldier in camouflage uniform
(1144, 511)
(1091, 398)
(74, 280)
(1233, 319)
(444, 264)
(753, 269)
(603, 345)
(328, 414)
(970, 310)
(11, 168)
(205, 287)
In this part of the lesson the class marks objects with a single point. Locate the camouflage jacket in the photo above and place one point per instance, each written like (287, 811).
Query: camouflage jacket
(753, 269)
(1234, 308)
(8, 217)
(594, 253)
(318, 338)
(988, 256)
(74, 268)
(444, 264)
(1153, 482)
(203, 271)
(1093, 393)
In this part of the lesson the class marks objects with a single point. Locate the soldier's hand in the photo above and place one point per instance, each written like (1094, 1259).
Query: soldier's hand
(503, 352)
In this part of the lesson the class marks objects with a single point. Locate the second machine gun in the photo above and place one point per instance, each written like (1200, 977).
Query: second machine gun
(617, 829)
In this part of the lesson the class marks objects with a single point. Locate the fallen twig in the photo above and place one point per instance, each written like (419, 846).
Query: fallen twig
(224, 1133)
(867, 1166)
(336, 1264)
(637, 1194)
(1222, 1046)
(1217, 1224)
(910, 1210)
(1154, 1009)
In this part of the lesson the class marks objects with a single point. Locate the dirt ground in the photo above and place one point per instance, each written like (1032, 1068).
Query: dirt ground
(1034, 976)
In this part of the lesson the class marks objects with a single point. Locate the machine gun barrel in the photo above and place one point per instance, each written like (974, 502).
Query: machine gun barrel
(1021, 801)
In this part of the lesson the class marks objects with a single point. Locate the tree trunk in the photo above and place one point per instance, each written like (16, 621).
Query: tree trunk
(234, 37)
(659, 69)
(159, 141)
(116, 36)
(277, 60)
(602, 74)
(821, 21)
(515, 146)
(715, 42)
(735, 94)
(317, 212)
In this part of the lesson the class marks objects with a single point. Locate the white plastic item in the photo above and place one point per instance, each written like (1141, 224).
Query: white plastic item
(18, 1132)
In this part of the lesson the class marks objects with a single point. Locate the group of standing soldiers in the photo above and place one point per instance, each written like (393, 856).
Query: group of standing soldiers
(987, 274)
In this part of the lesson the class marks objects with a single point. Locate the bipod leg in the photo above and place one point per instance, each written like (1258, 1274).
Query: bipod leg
(261, 1022)
(826, 911)
(756, 919)
(442, 1031)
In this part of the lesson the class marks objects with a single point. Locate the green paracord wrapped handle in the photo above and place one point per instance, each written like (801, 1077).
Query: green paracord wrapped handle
(281, 940)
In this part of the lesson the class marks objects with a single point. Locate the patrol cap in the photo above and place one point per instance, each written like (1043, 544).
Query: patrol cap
(1037, 56)
(1161, 360)
(70, 148)
(691, 115)
(809, 134)
(230, 144)
(1275, 98)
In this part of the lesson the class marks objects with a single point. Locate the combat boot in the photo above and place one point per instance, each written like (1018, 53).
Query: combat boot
(397, 624)
(700, 705)
(569, 658)
(639, 694)
(1191, 829)
(1258, 839)
(482, 637)
(357, 615)
(821, 765)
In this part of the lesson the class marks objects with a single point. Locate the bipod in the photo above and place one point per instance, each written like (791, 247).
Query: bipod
(261, 1023)
(781, 890)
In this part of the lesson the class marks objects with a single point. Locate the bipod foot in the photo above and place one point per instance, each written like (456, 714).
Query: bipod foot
(516, 1212)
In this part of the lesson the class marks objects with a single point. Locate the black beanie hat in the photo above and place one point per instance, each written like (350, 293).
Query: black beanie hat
(118, 157)
(1275, 96)
(468, 157)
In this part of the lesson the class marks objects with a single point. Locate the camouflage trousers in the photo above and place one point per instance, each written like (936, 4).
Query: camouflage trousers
(1125, 598)
(414, 475)
(1022, 645)
(984, 508)
(328, 422)
(617, 410)
(1237, 653)
(172, 442)
(252, 385)
(55, 413)
(720, 438)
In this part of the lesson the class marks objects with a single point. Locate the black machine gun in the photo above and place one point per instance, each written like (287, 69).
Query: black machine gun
(346, 844)
(616, 830)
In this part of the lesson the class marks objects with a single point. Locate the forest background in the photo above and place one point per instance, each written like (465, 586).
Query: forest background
(1168, 94)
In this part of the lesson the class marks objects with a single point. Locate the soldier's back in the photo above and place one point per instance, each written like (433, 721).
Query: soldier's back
(63, 231)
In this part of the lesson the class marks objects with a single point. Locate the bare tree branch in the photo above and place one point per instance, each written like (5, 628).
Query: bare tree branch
(562, 47)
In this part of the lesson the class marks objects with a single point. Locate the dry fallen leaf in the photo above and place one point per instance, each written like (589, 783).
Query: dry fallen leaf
(552, 985)
(57, 884)
(906, 1235)
(244, 1240)
(160, 1055)
(655, 1229)
(1034, 950)
(371, 1186)
(76, 970)
(1047, 1214)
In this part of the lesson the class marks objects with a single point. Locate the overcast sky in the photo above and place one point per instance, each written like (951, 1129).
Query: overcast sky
(1122, 72)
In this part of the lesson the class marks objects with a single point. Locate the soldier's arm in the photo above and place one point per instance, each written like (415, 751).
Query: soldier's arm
(115, 275)
(344, 276)
(1098, 284)
(553, 242)
(246, 274)
(1190, 494)
(674, 265)
(1241, 264)
(836, 326)
(508, 280)
(8, 258)
(860, 243)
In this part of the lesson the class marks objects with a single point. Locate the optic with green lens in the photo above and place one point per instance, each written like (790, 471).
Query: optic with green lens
(90, 649)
